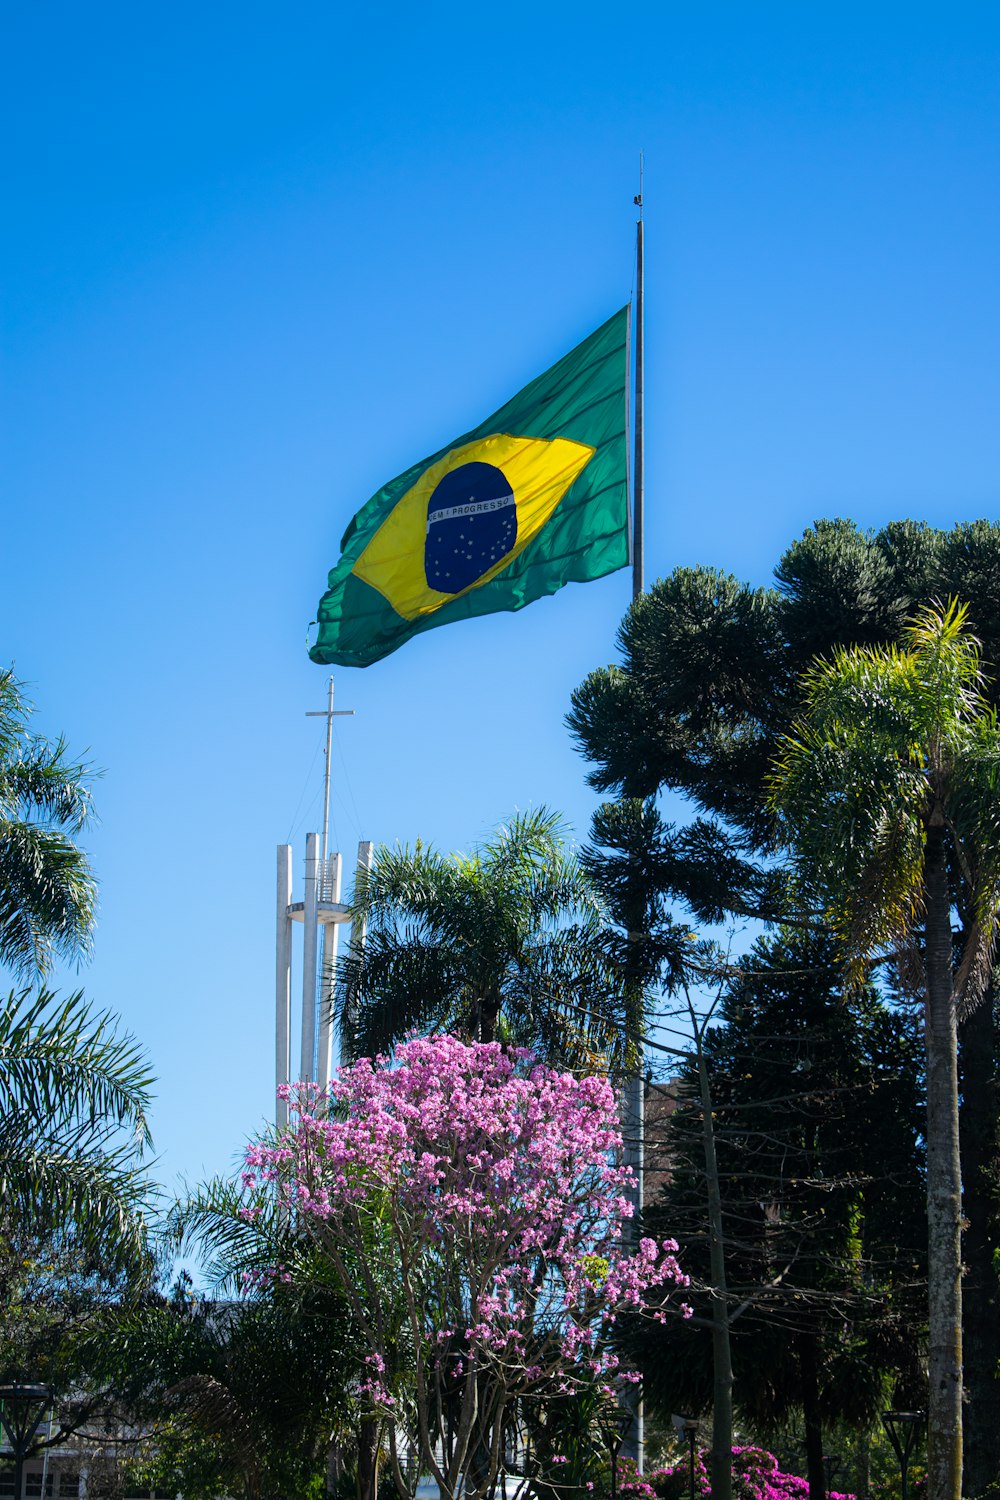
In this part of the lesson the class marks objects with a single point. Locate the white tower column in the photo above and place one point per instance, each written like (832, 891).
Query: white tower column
(331, 892)
(283, 980)
(310, 920)
(357, 938)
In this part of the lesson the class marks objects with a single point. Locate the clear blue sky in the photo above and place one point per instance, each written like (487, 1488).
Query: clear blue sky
(258, 259)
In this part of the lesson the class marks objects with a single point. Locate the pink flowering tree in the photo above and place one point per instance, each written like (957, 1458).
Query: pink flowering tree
(473, 1207)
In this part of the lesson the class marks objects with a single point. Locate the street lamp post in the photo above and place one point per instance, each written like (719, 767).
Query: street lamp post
(831, 1465)
(614, 1430)
(688, 1427)
(903, 1428)
(22, 1408)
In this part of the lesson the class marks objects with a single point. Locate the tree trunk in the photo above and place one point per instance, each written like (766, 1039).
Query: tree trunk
(944, 1188)
(368, 1460)
(980, 1047)
(812, 1421)
(721, 1464)
(863, 1468)
(489, 1016)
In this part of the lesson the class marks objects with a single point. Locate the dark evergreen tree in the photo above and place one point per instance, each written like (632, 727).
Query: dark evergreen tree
(823, 1235)
(708, 684)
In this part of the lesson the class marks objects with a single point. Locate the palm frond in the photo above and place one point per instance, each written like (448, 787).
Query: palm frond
(100, 1194)
(568, 999)
(892, 740)
(395, 983)
(47, 893)
(529, 839)
(217, 1411)
(411, 881)
(47, 896)
(39, 783)
(74, 1099)
(449, 939)
(61, 1061)
(234, 1243)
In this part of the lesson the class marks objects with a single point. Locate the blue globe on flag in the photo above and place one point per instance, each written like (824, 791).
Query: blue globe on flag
(471, 526)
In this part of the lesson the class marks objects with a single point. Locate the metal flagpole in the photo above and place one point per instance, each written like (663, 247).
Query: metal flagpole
(635, 1087)
(638, 478)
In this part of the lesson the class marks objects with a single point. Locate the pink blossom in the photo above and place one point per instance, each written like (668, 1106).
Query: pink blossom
(500, 1195)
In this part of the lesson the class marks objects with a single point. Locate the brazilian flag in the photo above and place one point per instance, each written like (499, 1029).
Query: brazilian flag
(535, 497)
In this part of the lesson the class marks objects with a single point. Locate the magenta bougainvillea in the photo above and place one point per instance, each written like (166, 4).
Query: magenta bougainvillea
(474, 1206)
(757, 1475)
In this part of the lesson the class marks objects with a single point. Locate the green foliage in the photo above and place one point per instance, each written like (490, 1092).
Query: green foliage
(55, 1293)
(47, 892)
(707, 688)
(568, 1448)
(268, 1375)
(892, 740)
(709, 681)
(842, 587)
(697, 703)
(506, 941)
(232, 1397)
(74, 1097)
(74, 1091)
(887, 794)
(175, 1458)
(823, 1240)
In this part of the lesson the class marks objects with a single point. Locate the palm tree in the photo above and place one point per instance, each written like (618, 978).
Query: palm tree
(239, 1397)
(887, 793)
(74, 1096)
(242, 1238)
(74, 1091)
(46, 888)
(506, 942)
